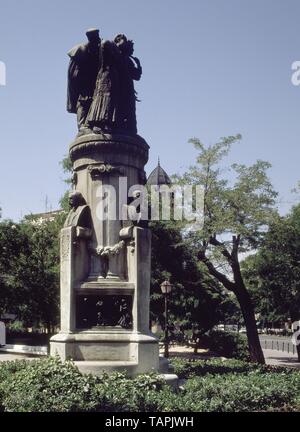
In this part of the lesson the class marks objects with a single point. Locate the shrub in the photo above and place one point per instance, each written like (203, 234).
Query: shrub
(7, 371)
(194, 367)
(49, 385)
(241, 393)
(227, 344)
(255, 391)
(16, 327)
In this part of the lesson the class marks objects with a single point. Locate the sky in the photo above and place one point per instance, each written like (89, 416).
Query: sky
(211, 68)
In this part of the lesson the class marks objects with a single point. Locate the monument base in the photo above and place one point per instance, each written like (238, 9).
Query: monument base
(95, 352)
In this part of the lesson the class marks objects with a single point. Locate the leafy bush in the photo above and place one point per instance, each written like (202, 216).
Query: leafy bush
(194, 367)
(227, 344)
(16, 327)
(253, 392)
(7, 371)
(126, 394)
(48, 385)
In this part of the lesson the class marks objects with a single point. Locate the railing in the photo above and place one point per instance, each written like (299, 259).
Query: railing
(284, 345)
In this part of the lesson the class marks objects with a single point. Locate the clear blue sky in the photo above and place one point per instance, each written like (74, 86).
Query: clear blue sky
(211, 68)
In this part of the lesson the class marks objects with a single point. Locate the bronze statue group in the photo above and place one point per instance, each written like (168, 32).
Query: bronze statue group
(101, 91)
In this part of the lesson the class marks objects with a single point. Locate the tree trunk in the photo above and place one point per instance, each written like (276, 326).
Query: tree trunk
(255, 350)
(243, 297)
(295, 317)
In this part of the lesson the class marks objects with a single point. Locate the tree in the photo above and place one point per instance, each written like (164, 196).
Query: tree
(39, 274)
(231, 312)
(236, 215)
(273, 275)
(29, 269)
(13, 245)
(67, 167)
(195, 301)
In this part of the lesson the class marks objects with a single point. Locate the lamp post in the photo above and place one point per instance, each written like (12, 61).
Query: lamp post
(166, 288)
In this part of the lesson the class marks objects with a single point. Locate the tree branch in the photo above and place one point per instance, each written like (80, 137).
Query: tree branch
(235, 247)
(215, 242)
(214, 272)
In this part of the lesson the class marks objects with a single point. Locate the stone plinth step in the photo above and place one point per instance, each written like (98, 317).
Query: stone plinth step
(130, 367)
(105, 288)
(97, 367)
(25, 349)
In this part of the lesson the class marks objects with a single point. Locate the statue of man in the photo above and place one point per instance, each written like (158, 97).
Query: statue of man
(79, 214)
(85, 61)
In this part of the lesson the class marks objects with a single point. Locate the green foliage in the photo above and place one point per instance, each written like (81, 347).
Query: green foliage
(231, 311)
(67, 167)
(16, 327)
(231, 386)
(29, 268)
(13, 248)
(242, 206)
(64, 202)
(237, 209)
(214, 385)
(195, 301)
(194, 367)
(49, 385)
(125, 394)
(240, 393)
(227, 344)
(273, 274)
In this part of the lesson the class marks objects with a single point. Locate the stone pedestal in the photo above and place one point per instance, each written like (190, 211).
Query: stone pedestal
(105, 265)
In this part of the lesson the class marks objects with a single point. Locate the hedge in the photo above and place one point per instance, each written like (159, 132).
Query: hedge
(48, 385)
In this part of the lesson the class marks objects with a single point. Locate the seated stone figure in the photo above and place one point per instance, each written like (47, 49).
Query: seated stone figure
(75, 236)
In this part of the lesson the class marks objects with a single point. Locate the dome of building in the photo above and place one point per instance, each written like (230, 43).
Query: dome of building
(158, 177)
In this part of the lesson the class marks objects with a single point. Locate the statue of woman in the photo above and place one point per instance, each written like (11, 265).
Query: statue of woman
(114, 100)
(102, 113)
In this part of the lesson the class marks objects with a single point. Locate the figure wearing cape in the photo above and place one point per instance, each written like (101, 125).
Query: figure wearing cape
(85, 61)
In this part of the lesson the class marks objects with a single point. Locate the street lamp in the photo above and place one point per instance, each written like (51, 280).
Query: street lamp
(166, 288)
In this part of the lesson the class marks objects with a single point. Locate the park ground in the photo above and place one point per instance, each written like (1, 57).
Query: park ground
(273, 357)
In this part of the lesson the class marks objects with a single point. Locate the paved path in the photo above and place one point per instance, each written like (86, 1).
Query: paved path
(10, 357)
(279, 358)
(273, 357)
